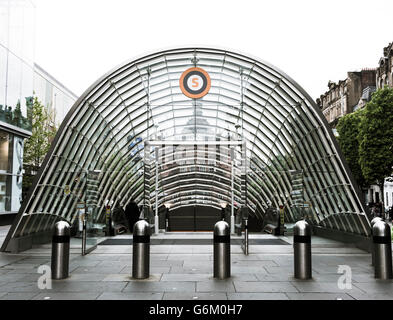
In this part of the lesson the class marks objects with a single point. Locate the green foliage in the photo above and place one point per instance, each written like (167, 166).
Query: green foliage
(348, 130)
(37, 146)
(376, 137)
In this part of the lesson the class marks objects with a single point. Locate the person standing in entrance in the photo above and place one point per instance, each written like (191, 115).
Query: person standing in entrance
(132, 214)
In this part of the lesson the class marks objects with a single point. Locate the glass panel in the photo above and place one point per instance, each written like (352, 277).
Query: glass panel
(19, 93)
(13, 83)
(15, 27)
(3, 81)
(94, 227)
(4, 15)
(5, 152)
(5, 193)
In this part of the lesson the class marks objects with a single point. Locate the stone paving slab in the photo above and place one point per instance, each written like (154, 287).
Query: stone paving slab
(12, 277)
(108, 270)
(6, 259)
(128, 277)
(153, 269)
(86, 263)
(371, 296)
(366, 277)
(257, 296)
(186, 272)
(280, 277)
(376, 287)
(243, 276)
(263, 286)
(130, 296)
(194, 296)
(89, 277)
(28, 287)
(19, 296)
(92, 286)
(22, 271)
(215, 286)
(33, 261)
(254, 263)
(200, 263)
(319, 296)
(192, 270)
(247, 269)
(190, 257)
(186, 277)
(95, 257)
(165, 286)
(21, 266)
(333, 269)
(279, 270)
(323, 287)
(67, 296)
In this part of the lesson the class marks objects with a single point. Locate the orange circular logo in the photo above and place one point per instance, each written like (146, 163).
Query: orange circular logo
(195, 83)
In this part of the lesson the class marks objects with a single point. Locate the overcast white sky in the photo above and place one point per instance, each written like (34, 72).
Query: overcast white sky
(313, 41)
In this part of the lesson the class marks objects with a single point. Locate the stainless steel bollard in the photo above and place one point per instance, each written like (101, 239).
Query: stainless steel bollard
(141, 250)
(302, 250)
(60, 250)
(222, 250)
(373, 221)
(382, 240)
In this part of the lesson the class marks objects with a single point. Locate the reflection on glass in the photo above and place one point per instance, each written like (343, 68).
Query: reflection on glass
(5, 154)
(16, 61)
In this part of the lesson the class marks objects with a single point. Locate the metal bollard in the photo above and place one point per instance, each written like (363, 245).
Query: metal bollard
(302, 250)
(141, 250)
(60, 250)
(382, 240)
(373, 221)
(222, 250)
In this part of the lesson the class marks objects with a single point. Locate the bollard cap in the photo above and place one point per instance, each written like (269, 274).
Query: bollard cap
(375, 220)
(381, 229)
(221, 228)
(302, 228)
(141, 228)
(62, 228)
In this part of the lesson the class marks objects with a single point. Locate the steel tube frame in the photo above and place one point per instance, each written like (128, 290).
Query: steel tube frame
(278, 117)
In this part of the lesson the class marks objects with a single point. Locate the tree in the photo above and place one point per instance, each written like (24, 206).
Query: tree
(376, 138)
(37, 146)
(348, 130)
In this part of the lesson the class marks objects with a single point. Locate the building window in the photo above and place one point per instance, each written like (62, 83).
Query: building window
(5, 152)
(5, 192)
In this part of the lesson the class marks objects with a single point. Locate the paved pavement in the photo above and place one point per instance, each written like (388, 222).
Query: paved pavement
(185, 272)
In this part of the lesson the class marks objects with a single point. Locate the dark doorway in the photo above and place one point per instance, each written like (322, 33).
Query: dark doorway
(132, 213)
(193, 218)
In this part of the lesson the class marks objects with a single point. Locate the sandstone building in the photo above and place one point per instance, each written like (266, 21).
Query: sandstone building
(384, 74)
(344, 97)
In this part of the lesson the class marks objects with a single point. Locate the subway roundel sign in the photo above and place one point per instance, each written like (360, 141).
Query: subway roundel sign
(195, 83)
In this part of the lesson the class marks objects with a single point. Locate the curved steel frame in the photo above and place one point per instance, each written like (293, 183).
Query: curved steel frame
(281, 125)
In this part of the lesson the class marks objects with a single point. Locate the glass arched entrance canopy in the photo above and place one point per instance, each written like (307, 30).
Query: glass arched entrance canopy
(255, 138)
